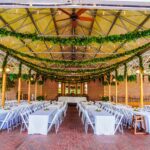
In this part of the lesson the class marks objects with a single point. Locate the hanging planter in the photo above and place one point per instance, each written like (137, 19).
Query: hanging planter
(25, 77)
(132, 78)
(40, 82)
(13, 77)
(120, 78)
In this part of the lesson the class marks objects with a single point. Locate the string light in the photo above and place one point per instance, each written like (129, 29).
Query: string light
(38, 11)
(103, 12)
(124, 12)
(7, 69)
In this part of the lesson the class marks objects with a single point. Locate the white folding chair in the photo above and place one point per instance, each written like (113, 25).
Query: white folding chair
(54, 120)
(118, 122)
(6, 122)
(24, 122)
(89, 120)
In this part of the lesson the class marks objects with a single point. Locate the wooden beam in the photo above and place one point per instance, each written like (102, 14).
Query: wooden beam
(126, 89)
(109, 90)
(35, 93)
(29, 91)
(19, 89)
(141, 89)
(116, 83)
(90, 30)
(3, 87)
(56, 29)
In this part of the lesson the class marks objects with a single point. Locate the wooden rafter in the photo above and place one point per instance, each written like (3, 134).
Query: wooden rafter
(56, 28)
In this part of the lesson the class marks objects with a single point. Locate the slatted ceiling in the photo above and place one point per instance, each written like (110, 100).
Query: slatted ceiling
(105, 25)
(104, 22)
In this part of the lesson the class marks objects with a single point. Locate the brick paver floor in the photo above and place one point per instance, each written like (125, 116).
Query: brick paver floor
(71, 136)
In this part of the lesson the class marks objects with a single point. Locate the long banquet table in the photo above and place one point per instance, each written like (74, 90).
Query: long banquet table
(104, 121)
(70, 99)
(38, 121)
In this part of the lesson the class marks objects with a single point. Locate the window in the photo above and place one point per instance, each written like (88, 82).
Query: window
(85, 88)
(59, 87)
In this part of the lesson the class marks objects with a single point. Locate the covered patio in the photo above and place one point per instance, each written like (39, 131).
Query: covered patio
(75, 75)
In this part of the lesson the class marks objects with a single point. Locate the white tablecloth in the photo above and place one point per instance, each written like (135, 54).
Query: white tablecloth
(38, 121)
(69, 99)
(104, 122)
(56, 105)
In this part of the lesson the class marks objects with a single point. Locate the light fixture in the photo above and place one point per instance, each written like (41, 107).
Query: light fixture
(137, 71)
(114, 80)
(30, 4)
(7, 69)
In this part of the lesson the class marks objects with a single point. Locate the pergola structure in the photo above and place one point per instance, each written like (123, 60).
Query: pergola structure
(29, 36)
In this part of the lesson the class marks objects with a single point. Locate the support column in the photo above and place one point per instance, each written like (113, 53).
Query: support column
(76, 88)
(19, 89)
(126, 89)
(3, 87)
(41, 91)
(109, 86)
(116, 92)
(81, 88)
(69, 88)
(63, 89)
(29, 91)
(141, 89)
(35, 94)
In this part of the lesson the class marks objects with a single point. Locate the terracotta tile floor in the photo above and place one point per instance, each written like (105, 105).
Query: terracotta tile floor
(71, 136)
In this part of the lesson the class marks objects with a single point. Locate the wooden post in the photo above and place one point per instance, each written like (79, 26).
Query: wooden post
(126, 89)
(116, 92)
(109, 90)
(41, 90)
(29, 91)
(141, 88)
(69, 88)
(76, 88)
(3, 87)
(63, 89)
(35, 94)
(81, 88)
(19, 89)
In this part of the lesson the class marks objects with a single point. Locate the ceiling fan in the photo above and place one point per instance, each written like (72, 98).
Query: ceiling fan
(74, 16)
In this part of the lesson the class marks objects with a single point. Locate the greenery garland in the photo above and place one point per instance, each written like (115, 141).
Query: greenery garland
(76, 63)
(141, 63)
(5, 61)
(132, 78)
(83, 41)
(13, 76)
(20, 70)
(134, 51)
(120, 78)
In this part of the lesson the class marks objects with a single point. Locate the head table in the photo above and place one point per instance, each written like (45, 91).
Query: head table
(69, 99)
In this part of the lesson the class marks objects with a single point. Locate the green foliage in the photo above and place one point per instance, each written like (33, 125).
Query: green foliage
(40, 98)
(82, 41)
(13, 76)
(105, 98)
(9, 84)
(120, 78)
(15, 53)
(32, 81)
(132, 78)
(40, 82)
(25, 77)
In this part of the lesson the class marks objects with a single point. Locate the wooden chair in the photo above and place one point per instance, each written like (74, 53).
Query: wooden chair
(139, 120)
